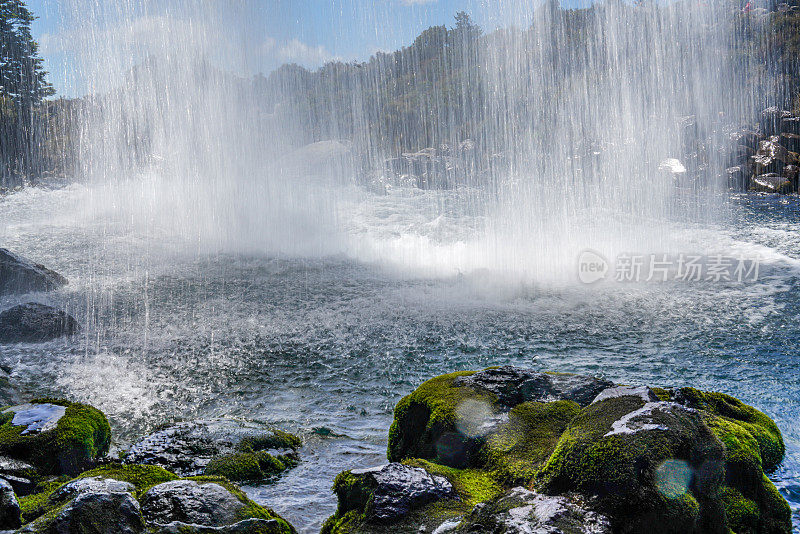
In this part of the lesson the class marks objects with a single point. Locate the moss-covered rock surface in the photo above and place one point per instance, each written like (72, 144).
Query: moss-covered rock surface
(579, 454)
(145, 498)
(55, 436)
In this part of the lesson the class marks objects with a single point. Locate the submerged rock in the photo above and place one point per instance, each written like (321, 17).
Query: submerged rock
(237, 450)
(8, 393)
(18, 275)
(521, 511)
(33, 323)
(55, 436)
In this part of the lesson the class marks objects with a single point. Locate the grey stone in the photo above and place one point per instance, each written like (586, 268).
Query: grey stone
(246, 526)
(9, 507)
(18, 275)
(521, 511)
(90, 485)
(642, 392)
(187, 448)
(515, 385)
(189, 501)
(398, 489)
(33, 323)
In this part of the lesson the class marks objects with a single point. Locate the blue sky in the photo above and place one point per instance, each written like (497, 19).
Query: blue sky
(259, 35)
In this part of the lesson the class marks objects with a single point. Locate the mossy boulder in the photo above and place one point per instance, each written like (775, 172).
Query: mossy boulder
(448, 417)
(55, 436)
(659, 460)
(235, 449)
(163, 501)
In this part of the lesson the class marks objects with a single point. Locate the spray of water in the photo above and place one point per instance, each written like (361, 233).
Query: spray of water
(567, 130)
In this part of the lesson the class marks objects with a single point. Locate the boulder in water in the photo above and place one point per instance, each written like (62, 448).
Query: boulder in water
(33, 323)
(55, 436)
(18, 275)
(628, 459)
(771, 183)
(238, 450)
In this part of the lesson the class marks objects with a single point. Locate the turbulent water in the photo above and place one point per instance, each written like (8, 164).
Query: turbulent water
(327, 346)
(219, 267)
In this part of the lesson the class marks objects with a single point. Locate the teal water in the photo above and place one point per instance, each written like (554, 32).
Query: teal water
(327, 345)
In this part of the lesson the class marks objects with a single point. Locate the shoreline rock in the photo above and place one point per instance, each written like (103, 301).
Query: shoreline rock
(18, 275)
(522, 457)
(35, 323)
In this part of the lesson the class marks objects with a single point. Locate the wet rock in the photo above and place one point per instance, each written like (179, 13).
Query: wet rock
(90, 485)
(771, 183)
(514, 385)
(790, 125)
(238, 450)
(93, 512)
(247, 526)
(18, 275)
(791, 141)
(9, 507)
(641, 392)
(206, 506)
(55, 436)
(188, 501)
(521, 511)
(33, 323)
(390, 491)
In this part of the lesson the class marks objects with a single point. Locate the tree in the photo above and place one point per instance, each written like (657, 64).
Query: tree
(23, 87)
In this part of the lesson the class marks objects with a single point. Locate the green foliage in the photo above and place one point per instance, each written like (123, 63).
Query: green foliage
(81, 436)
(246, 466)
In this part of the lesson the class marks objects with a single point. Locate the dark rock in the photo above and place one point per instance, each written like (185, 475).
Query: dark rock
(18, 275)
(521, 511)
(93, 513)
(772, 119)
(189, 501)
(189, 448)
(390, 491)
(790, 141)
(790, 125)
(514, 385)
(18, 474)
(10, 514)
(32, 323)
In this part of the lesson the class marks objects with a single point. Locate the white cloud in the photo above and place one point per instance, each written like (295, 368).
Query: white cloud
(299, 52)
(416, 2)
(268, 45)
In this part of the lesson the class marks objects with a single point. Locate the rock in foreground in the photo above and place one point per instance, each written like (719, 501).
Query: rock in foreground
(54, 436)
(531, 452)
(238, 450)
(18, 275)
(34, 323)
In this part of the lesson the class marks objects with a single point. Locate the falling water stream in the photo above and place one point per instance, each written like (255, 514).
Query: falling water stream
(228, 253)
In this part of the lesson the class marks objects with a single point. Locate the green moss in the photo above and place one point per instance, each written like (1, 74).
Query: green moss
(277, 439)
(760, 426)
(662, 394)
(620, 469)
(742, 514)
(425, 423)
(81, 435)
(472, 486)
(37, 504)
(243, 466)
(143, 477)
(349, 522)
(516, 452)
